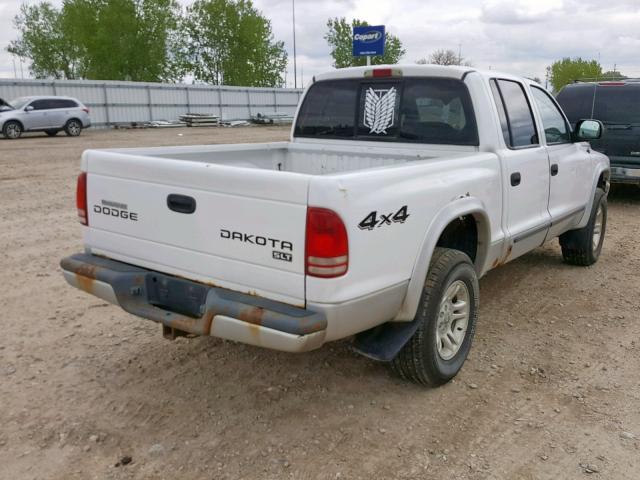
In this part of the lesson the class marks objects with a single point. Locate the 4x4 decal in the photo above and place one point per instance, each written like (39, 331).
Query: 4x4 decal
(372, 220)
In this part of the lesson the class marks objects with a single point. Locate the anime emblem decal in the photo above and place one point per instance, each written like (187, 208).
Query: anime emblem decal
(379, 109)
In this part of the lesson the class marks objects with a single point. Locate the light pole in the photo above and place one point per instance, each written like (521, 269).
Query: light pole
(295, 67)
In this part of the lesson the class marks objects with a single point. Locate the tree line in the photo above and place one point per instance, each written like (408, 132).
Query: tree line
(220, 42)
(215, 41)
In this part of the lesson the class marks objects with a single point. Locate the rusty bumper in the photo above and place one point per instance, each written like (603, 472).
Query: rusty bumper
(186, 306)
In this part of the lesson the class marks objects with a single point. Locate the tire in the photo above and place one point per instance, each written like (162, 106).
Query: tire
(73, 128)
(51, 133)
(12, 130)
(583, 246)
(425, 359)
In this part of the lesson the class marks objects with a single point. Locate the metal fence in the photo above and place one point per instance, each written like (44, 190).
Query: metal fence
(114, 102)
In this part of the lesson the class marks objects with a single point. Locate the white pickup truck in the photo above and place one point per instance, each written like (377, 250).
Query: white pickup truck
(399, 188)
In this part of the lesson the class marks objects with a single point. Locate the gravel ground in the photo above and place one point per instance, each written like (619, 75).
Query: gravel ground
(551, 389)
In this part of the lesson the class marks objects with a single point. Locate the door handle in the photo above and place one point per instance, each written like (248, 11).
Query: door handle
(554, 169)
(515, 179)
(181, 203)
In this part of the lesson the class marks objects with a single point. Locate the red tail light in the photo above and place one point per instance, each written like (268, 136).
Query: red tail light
(81, 199)
(327, 244)
(85, 109)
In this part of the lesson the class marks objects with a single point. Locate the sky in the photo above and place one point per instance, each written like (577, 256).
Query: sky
(516, 36)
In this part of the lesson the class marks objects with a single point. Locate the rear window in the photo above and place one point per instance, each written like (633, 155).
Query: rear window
(576, 102)
(618, 104)
(421, 110)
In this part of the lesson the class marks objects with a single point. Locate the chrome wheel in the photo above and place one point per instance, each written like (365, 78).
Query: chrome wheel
(12, 131)
(597, 227)
(453, 320)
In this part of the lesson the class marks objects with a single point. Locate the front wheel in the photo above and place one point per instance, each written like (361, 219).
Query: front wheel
(12, 130)
(583, 246)
(446, 321)
(73, 128)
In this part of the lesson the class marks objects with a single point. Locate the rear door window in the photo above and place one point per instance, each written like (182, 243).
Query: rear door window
(62, 103)
(618, 104)
(522, 128)
(504, 123)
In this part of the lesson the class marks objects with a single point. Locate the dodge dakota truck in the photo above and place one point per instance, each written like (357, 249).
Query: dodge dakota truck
(399, 187)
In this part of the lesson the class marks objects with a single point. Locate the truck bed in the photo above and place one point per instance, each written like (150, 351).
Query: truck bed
(305, 158)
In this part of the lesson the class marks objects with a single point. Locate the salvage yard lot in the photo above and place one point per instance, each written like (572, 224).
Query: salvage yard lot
(551, 389)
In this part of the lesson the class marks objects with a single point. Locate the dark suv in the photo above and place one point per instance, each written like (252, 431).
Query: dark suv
(617, 105)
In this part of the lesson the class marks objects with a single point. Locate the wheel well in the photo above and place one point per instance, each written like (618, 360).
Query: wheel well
(603, 180)
(15, 121)
(461, 234)
(74, 118)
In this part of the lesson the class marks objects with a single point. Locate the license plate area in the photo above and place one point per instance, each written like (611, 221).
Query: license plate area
(176, 294)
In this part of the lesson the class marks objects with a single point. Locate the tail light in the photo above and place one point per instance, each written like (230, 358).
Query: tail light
(81, 199)
(327, 244)
(85, 109)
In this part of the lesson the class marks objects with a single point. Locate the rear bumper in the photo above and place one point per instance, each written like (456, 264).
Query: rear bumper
(625, 175)
(183, 305)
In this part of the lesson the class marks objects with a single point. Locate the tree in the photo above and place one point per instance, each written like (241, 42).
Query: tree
(613, 75)
(567, 70)
(229, 42)
(43, 42)
(340, 39)
(445, 57)
(100, 39)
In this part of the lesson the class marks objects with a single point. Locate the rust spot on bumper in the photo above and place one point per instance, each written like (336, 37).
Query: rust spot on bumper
(85, 283)
(198, 326)
(252, 315)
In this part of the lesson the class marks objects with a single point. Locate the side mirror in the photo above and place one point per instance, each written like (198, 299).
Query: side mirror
(588, 130)
(28, 108)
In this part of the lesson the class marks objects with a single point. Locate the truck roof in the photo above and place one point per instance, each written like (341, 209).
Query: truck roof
(416, 70)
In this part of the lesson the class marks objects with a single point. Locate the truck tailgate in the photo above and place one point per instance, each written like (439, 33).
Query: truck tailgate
(246, 231)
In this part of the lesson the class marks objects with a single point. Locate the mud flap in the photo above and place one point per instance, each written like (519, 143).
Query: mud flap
(384, 342)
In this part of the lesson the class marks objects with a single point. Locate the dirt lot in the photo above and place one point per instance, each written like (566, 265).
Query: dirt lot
(551, 390)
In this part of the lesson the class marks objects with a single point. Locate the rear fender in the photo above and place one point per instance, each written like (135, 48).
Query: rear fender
(385, 341)
(459, 208)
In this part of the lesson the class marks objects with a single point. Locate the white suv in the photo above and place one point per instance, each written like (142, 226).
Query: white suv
(43, 114)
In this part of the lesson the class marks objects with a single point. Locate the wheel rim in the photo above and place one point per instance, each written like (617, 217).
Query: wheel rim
(13, 131)
(453, 320)
(597, 227)
(74, 128)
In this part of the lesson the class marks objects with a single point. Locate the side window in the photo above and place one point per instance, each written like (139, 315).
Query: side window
(501, 112)
(522, 130)
(40, 104)
(67, 104)
(61, 103)
(555, 127)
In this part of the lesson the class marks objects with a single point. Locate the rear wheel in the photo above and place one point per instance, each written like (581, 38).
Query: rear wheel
(583, 246)
(73, 128)
(447, 320)
(12, 130)
(51, 133)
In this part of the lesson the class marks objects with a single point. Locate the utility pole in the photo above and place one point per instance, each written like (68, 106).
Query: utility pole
(295, 67)
(460, 54)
